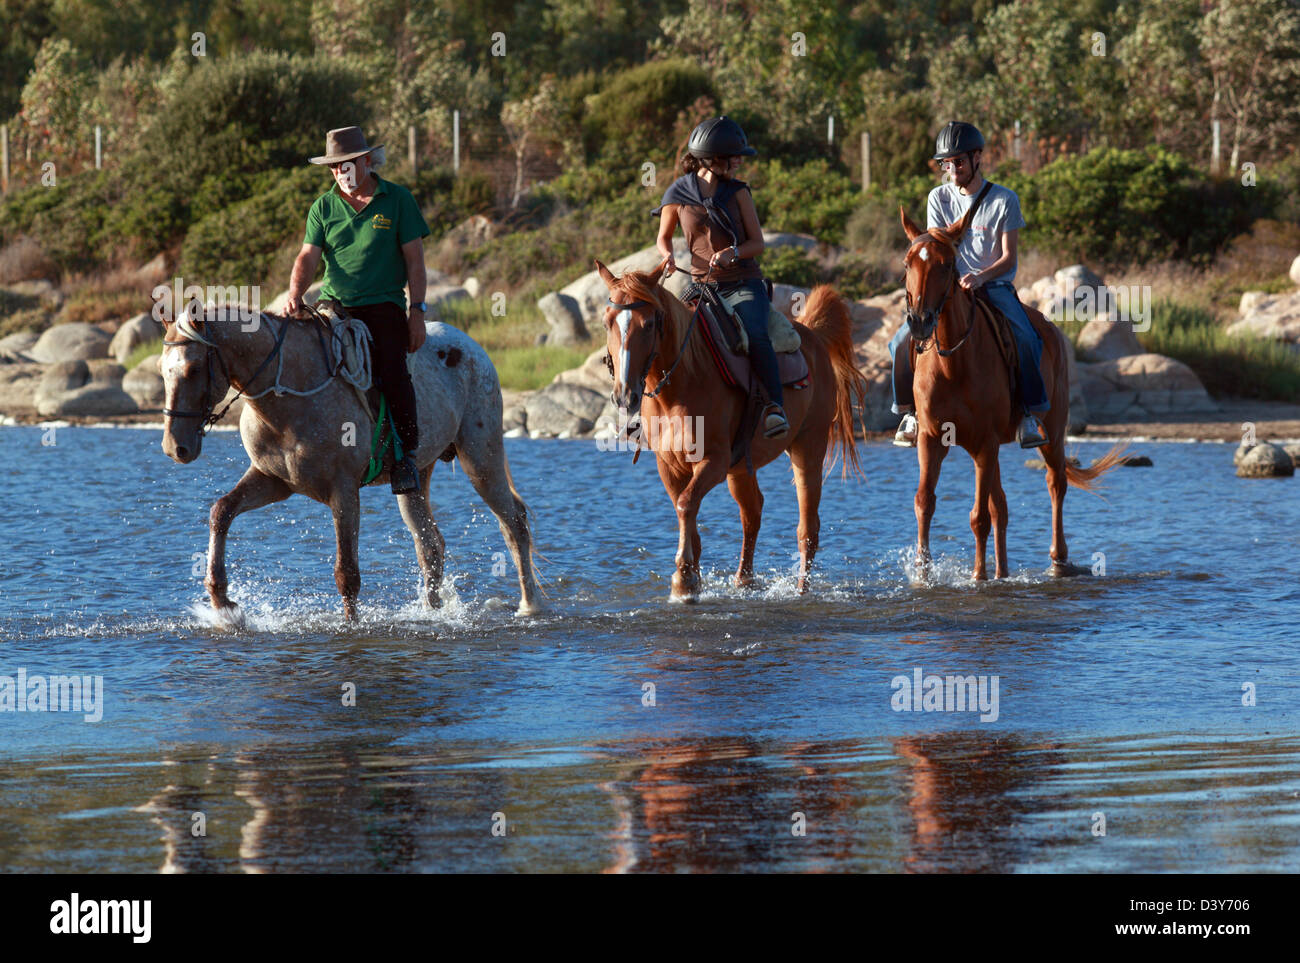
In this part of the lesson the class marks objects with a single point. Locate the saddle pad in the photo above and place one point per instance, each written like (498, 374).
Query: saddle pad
(792, 366)
(780, 331)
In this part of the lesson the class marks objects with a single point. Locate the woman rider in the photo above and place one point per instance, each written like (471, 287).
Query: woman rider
(717, 215)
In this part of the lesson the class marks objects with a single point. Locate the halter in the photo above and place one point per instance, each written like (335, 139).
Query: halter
(185, 326)
(911, 312)
(658, 323)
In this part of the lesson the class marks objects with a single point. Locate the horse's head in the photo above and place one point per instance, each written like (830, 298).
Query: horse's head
(931, 272)
(634, 321)
(194, 382)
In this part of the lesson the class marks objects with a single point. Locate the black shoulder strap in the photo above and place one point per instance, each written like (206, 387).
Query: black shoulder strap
(979, 199)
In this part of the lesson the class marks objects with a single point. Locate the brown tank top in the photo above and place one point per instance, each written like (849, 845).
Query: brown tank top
(704, 238)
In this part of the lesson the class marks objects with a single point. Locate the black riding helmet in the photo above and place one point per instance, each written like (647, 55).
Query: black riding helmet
(719, 137)
(957, 137)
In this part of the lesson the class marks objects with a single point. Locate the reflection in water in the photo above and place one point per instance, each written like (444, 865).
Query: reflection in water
(967, 789)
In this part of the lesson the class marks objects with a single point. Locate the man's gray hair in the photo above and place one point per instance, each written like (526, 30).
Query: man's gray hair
(378, 157)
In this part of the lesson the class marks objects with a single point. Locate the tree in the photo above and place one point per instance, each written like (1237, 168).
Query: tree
(1251, 55)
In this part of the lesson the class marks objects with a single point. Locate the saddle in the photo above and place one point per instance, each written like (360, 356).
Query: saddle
(728, 345)
(1005, 338)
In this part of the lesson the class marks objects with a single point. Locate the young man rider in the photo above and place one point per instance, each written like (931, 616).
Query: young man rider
(986, 256)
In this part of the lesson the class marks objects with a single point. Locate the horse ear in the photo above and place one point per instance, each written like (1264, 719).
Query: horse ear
(605, 274)
(908, 224)
(953, 232)
(659, 271)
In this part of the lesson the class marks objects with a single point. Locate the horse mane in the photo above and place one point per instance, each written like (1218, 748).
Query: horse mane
(695, 361)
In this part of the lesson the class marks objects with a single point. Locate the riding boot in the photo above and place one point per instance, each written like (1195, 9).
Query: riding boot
(404, 476)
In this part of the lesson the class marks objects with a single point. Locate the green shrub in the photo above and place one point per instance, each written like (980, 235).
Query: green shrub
(788, 264)
(811, 199)
(1123, 206)
(1242, 367)
(238, 245)
(634, 118)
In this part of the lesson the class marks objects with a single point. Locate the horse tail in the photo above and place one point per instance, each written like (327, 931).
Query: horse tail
(1085, 477)
(827, 316)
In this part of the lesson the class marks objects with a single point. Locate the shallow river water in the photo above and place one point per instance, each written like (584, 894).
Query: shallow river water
(754, 731)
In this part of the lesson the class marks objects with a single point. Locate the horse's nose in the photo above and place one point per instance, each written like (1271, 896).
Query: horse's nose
(182, 452)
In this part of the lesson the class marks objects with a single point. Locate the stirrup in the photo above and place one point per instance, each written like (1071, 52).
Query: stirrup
(905, 437)
(774, 422)
(1030, 433)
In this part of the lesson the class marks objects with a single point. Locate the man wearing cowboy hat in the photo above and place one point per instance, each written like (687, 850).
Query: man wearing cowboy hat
(369, 232)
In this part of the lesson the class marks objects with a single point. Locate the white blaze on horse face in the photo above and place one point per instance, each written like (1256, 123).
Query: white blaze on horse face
(624, 320)
(923, 253)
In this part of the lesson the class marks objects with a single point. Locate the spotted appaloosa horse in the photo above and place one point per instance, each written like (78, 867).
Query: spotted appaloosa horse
(647, 329)
(961, 380)
(298, 445)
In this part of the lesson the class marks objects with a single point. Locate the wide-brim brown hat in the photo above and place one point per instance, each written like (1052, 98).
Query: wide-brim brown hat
(343, 144)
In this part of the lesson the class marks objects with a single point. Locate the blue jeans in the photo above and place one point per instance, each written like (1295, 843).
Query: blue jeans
(1029, 347)
(753, 307)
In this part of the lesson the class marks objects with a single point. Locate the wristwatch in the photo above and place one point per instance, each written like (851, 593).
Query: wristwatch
(422, 306)
(735, 254)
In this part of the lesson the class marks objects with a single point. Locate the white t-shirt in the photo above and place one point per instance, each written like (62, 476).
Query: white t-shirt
(978, 247)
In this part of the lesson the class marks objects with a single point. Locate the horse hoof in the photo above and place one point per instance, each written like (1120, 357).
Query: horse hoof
(350, 611)
(230, 615)
(528, 609)
(743, 581)
(1066, 570)
(684, 598)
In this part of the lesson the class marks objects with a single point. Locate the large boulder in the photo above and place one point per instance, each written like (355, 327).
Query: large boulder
(562, 410)
(471, 233)
(71, 342)
(139, 330)
(15, 347)
(76, 388)
(1107, 337)
(1276, 317)
(1295, 269)
(144, 383)
(1141, 387)
(564, 317)
(1266, 460)
(18, 384)
(592, 375)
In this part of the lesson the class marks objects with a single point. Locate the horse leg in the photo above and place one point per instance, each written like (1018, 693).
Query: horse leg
(346, 506)
(483, 457)
(254, 490)
(998, 511)
(417, 513)
(930, 453)
(986, 480)
(1057, 483)
(807, 459)
(744, 489)
(686, 579)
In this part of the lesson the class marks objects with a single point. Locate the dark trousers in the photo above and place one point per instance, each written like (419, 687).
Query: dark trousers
(389, 329)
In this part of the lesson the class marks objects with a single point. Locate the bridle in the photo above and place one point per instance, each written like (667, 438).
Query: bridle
(915, 319)
(207, 416)
(658, 334)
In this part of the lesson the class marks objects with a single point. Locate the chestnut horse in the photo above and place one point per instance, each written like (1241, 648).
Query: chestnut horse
(961, 381)
(665, 377)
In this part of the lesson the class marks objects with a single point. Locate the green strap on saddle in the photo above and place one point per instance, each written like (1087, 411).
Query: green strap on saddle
(378, 450)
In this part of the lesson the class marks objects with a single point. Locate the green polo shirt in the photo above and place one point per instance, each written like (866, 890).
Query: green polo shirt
(363, 249)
